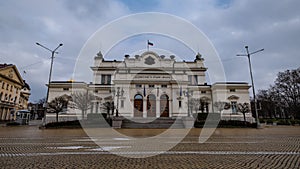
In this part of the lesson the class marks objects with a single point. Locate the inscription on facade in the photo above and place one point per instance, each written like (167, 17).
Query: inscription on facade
(152, 77)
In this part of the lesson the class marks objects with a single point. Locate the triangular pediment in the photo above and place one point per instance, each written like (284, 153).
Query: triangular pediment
(11, 73)
(150, 54)
(150, 58)
(233, 97)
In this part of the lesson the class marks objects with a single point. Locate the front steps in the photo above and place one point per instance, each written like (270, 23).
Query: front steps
(152, 123)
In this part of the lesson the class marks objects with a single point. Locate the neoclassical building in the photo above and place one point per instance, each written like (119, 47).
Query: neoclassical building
(152, 85)
(14, 92)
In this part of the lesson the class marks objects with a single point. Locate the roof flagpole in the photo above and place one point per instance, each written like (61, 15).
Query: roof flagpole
(148, 45)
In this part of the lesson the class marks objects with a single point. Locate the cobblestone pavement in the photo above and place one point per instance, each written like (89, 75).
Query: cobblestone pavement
(30, 147)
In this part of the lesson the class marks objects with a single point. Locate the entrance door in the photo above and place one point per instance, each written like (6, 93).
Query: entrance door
(151, 106)
(138, 106)
(164, 106)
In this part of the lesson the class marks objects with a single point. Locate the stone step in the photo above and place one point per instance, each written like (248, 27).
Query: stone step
(152, 123)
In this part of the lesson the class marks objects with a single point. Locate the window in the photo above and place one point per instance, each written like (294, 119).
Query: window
(105, 79)
(122, 103)
(151, 86)
(232, 90)
(234, 107)
(193, 79)
(7, 86)
(203, 92)
(164, 86)
(138, 86)
(65, 89)
(179, 103)
(3, 85)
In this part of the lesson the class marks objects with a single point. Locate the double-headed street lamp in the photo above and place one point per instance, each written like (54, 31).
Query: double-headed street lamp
(53, 52)
(253, 89)
(118, 94)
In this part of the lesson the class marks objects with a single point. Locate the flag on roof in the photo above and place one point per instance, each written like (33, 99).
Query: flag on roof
(150, 43)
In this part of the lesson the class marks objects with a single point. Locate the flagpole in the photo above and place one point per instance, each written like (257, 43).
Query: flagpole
(148, 45)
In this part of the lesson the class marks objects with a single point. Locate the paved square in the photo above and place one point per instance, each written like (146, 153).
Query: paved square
(29, 147)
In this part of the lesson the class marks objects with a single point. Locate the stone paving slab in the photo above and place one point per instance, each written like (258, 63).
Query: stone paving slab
(29, 147)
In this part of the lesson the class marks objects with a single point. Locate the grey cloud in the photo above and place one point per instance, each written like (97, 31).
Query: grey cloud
(273, 25)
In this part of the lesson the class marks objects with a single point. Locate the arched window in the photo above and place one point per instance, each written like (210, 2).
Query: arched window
(138, 96)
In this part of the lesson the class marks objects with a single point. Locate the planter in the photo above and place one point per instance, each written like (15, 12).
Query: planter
(117, 122)
(188, 122)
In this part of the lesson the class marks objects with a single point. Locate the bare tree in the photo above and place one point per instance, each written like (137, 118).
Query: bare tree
(58, 104)
(42, 100)
(244, 108)
(282, 98)
(287, 84)
(194, 104)
(219, 105)
(82, 101)
(108, 106)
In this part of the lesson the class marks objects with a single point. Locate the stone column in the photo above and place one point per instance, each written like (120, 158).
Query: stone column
(145, 107)
(8, 114)
(97, 107)
(92, 107)
(170, 107)
(157, 107)
(1, 112)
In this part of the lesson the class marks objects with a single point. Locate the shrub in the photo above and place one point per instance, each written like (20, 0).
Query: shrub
(262, 120)
(270, 121)
(12, 124)
(227, 124)
(283, 122)
(295, 121)
(202, 116)
(64, 124)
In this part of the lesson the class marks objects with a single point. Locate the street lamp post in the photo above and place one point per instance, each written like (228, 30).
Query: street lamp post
(253, 89)
(53, 52)
(188, 94)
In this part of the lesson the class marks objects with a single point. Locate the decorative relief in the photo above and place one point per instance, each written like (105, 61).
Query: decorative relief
(149, 60)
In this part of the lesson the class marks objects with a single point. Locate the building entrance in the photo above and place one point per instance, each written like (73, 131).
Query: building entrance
(151, 106)
(138, 105)
(164, 105)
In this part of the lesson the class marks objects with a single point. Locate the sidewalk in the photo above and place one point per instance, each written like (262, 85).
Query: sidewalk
(35, 122)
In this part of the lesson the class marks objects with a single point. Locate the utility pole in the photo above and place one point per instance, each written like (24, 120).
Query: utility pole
(53, 52)
(253, 89)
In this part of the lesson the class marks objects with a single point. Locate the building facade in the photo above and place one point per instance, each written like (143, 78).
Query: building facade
(151, 86)
(14, 92)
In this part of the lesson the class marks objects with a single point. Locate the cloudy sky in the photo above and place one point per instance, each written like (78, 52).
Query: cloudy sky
(229, 24)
